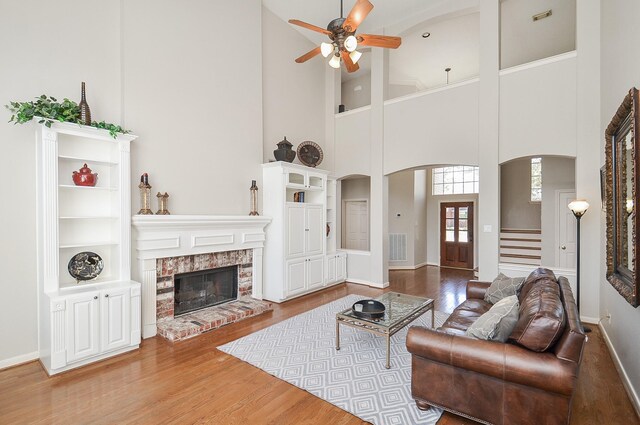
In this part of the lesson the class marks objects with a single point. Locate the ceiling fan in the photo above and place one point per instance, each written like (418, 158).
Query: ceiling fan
(344, 41)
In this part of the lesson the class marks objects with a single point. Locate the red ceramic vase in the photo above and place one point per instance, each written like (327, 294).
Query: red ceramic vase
(84, 177)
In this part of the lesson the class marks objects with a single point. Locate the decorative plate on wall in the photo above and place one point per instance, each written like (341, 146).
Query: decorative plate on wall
(310, 153)
(85, 265)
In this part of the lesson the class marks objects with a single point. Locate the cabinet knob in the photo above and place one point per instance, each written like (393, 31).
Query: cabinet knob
(106, 295)
(95, 297)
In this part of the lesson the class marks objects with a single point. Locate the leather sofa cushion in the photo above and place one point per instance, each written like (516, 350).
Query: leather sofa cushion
(464, 315)
(542, 316)
(539, 274)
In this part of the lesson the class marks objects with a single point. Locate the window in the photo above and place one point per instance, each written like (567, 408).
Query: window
(536, 179)
(455, 180)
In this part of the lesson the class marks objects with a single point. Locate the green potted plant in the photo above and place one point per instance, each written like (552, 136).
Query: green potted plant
(47, 110)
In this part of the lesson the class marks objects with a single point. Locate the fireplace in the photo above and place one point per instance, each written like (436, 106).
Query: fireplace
(201, 289)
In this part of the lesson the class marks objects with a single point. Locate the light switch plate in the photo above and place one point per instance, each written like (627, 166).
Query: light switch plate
(487, 228)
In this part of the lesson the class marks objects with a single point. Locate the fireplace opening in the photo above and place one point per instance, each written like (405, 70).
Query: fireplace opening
(197, 290)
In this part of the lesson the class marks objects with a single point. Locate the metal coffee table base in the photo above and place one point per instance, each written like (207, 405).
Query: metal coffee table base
(384, 331)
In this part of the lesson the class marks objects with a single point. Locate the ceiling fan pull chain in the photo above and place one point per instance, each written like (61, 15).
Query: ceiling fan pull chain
(341, 10)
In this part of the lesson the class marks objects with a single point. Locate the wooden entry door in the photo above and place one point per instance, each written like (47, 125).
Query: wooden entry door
(456, 234)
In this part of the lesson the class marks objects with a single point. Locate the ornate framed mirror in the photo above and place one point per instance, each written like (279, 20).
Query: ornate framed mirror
(622, 191)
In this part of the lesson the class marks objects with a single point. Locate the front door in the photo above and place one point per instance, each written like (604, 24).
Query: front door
(456, 234)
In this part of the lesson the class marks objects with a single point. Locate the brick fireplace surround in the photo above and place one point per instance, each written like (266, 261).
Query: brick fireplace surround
(170, 245)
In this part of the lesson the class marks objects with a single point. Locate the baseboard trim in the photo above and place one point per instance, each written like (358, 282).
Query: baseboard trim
(626, 382)
(18, 360)
(590, 320)
(417, 266)
(367, 283)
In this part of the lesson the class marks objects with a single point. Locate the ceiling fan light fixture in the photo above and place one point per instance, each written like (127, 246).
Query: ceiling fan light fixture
(335, 62)
(355, 56)
(326, 49)
(350, 43)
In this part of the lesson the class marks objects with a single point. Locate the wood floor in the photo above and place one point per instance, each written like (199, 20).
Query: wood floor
(192, 382)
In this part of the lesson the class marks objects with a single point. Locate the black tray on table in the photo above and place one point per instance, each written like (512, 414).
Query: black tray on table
(371, 309)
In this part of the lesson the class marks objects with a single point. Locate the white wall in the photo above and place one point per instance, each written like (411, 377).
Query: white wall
(620, 71)
(516, 209)
(188, 91)
(401, 212)
(522, 40)
(436, 127)
(356, 92)
(538, 110)
(557, 174)
(420, 217)
(292, 93)
(48, 47)
(352, 143)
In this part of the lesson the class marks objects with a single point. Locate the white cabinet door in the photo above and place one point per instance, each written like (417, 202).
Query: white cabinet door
(315, 272)
(83, 328)
(331, 269)
(296, 277)
(115, 318)
(341, 267)
(295, 233)
(315, 230)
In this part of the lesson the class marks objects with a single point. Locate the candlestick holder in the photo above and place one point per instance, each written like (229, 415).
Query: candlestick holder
(162, 204)
(145, 199)
(254, 198)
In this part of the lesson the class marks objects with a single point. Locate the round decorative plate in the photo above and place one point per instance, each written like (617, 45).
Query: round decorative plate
(310, 153)
(85, 265)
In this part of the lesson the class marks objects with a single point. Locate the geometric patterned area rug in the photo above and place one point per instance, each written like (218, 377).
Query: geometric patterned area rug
(301, 350)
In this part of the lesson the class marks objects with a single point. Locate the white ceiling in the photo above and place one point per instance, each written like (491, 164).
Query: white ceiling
(385, 13)
(454, 25)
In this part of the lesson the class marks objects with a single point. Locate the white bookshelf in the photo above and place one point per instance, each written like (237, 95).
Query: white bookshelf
(84, 321)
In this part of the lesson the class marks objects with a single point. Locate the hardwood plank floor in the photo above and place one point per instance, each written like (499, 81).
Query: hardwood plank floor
(192, 382)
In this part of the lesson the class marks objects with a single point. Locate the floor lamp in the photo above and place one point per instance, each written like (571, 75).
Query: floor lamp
(578, 208)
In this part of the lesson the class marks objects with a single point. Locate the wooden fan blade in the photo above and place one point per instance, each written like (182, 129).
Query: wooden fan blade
(351, 67)
(308, 55)
(360, 11)
(309, 26)
(373, 40)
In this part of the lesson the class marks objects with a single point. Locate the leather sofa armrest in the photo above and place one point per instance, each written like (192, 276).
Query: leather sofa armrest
(476, 289)
(502, 361)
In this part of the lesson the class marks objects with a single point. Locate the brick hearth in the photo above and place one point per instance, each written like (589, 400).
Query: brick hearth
(197, 322)
(207, 319)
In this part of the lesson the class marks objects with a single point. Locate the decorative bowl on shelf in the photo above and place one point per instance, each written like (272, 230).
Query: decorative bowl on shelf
(85, 265)
(84, 177)
(368, 309)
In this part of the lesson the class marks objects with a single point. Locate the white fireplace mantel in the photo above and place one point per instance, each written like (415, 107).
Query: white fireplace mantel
(162, 236)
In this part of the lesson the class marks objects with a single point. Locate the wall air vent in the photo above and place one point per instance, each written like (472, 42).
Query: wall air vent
(541, 15)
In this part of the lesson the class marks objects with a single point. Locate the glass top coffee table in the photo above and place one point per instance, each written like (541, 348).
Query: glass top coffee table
(400, 310)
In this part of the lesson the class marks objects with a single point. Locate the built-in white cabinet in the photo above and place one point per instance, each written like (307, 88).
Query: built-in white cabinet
(83, 326)
(87, 320)
(336, 267)
(298, 237)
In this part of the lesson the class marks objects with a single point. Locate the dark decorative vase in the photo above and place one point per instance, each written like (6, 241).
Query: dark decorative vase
(85, 111)
(284, 151)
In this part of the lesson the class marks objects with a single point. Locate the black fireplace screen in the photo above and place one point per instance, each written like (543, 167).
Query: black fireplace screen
(197, 290)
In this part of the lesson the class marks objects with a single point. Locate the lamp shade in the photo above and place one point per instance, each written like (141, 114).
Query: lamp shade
(335, 62)
(578, 207)
(326, 49)
(350, 43)
(355, 56)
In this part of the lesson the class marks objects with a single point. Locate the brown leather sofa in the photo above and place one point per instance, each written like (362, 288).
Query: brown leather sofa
(530, 379)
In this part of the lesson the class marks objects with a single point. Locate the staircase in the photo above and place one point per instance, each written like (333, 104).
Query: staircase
(521, 246)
